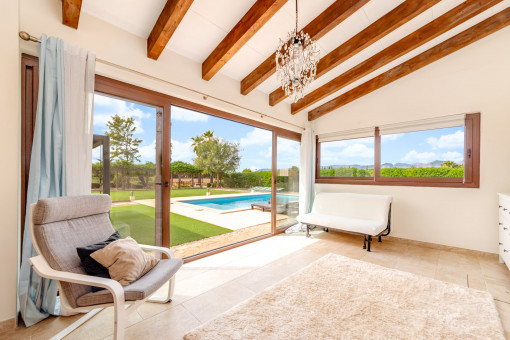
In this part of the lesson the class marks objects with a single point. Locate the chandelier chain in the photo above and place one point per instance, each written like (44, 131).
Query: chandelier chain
(296, 16)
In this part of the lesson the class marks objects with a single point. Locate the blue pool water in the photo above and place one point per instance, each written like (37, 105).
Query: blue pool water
(239, 202)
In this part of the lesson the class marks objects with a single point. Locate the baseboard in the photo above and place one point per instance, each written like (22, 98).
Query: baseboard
(7, 325)
(443, 247)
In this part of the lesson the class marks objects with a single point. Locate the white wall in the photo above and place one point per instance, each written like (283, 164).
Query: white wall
(474, 79)
(122, 48)
(9, 97)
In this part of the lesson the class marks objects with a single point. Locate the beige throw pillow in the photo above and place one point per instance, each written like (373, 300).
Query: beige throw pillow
(125, 260)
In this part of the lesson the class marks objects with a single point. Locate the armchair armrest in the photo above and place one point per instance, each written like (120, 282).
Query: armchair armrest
(163, 250)
(44, 270)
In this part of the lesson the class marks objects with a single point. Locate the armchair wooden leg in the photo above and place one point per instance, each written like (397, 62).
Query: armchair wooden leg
(120, 321)
(170, 293)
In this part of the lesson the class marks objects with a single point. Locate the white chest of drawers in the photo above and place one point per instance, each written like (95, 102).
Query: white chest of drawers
(504, 228)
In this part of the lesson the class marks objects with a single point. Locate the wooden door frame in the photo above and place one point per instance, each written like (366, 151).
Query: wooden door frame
(119, 89)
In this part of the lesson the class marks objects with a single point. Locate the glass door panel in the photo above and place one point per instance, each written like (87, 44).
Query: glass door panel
(126, 164)
(220, 182)
(287, 181)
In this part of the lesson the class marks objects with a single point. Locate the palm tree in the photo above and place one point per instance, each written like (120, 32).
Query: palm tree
(204, 137)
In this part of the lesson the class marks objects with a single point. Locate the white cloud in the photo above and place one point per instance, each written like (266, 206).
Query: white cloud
(182, 151)
(181, 114)
(454, 140)
(357, 150)
(457, 157)
(106, 107)
(421, 157)
(391, 137)
(148, 152)
(257, 137)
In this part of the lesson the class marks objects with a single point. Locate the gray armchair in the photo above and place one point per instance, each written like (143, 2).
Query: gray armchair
(58, 226)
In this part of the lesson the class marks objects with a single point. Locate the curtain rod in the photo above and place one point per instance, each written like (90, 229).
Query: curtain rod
(27, 37)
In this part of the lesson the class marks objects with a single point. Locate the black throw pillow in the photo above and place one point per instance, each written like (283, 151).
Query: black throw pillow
(91, 266)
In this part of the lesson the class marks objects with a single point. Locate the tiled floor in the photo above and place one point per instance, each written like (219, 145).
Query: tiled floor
(207, 287)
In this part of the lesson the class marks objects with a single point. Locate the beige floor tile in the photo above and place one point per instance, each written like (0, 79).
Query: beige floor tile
(476, 282)
(218, 300)
(494, 270)
(171, 324)
(101, 325)
(504, 314)
(499, 289)
(448, 274)
(416, 266)
(42, 330)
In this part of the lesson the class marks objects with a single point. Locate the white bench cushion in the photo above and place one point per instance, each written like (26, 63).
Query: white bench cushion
(368, 227)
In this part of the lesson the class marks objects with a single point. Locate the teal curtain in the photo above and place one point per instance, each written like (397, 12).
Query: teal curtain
(38, 296)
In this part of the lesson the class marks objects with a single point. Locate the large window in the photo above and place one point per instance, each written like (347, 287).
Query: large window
(438, 152)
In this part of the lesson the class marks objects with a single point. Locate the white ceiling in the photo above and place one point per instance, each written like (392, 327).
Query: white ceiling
(209, 21)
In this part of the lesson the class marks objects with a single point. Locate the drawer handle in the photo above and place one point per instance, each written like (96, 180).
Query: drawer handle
(500, 223)
(505, 228)
(505, 251)
(505, 209)
(500, 243)
(500, 206)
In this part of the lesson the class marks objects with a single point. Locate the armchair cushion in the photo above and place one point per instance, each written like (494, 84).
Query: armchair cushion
(138, 290)
(91, 266)
(125, 260)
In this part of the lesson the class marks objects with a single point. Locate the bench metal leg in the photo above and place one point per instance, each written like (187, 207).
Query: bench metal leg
(380, 238)
(369, 241)
(307, 230)
(364, 241)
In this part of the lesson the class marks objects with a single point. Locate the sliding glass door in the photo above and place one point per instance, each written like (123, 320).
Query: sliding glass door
(126, 164)
(287, 181)
(189, 177)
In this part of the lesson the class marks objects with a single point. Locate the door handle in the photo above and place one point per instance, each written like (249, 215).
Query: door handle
(166, 184)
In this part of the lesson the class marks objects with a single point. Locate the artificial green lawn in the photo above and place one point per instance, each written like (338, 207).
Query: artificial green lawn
(151, 194)
(137, 221)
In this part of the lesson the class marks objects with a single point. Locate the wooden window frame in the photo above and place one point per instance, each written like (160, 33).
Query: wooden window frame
(471, 164)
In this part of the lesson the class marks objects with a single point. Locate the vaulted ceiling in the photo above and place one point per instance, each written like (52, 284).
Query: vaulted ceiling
(364, 44)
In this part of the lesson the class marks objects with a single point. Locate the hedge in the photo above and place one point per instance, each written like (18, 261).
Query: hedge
(394, 172)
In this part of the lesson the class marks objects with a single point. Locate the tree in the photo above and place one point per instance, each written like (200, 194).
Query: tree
(247, 170)
(450, 164)
(217, 157)
(123, 147)
(203, 138)
(181, 168)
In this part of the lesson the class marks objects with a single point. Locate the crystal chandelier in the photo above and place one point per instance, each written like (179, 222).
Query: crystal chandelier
(296, 62)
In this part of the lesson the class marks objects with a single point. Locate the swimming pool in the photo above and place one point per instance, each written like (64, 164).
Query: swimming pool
(239, 202)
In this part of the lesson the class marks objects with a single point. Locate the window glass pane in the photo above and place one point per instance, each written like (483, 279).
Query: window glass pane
(124, 165)
(220, 182)
(347, 158)
(429, 153)
(287, 187)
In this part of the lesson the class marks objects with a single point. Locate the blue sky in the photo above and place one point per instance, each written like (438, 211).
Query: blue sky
(412, 147)
(255, 143)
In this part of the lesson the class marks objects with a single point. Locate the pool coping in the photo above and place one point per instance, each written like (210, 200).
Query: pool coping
(178, 200)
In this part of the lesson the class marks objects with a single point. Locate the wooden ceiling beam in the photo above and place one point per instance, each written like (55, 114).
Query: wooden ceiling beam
(461, 40)
(168, 21)
(385, 25)
(316, 29)
(435, 28)
(250, 23)
(71, 13)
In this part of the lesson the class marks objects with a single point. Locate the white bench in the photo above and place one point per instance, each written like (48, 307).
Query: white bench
(367, 215)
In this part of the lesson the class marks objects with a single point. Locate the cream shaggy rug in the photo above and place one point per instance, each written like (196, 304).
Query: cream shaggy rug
(340, 298)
